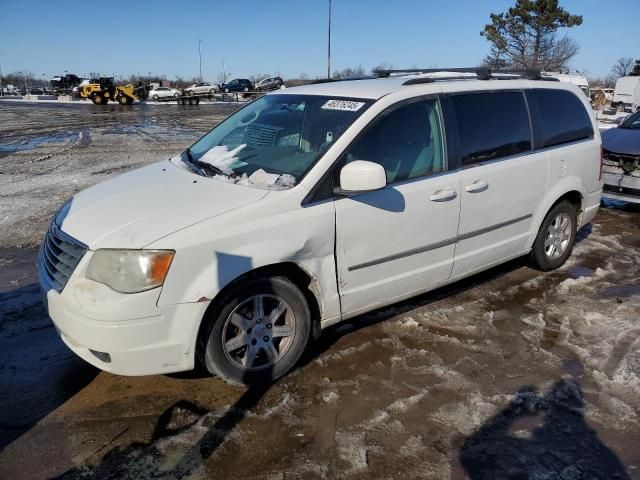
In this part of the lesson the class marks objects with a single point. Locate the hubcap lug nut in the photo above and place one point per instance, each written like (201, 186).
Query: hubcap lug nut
(254, 341)
(265, 338)
(268, 325)
(259, 320)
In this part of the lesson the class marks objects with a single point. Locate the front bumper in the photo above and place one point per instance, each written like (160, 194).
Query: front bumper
(139, 337)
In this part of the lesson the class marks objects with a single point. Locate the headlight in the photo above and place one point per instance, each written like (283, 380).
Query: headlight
(130, 271)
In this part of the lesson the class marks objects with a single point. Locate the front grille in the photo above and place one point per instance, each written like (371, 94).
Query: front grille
(260, 135)
(59, 256)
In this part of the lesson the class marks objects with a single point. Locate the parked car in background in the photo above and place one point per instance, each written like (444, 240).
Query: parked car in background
(238, 85)
(202, 88)
(626, 95)
(313, 205)
(269, 83)
(160, 92)
(621, 166)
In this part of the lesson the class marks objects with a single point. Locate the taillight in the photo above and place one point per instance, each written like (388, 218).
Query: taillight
(601, 162)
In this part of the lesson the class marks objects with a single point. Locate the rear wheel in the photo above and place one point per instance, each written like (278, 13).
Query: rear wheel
(258, 334)
(122, 100)
(556, 237)
(621, 108)
(155, 97)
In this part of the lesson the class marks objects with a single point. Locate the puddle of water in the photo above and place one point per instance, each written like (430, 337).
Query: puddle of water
(580, 271)
(622, 291)
(38, 142)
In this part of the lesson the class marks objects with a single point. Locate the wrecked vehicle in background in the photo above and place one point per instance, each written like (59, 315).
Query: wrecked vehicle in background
(313, 205)
(621, 167)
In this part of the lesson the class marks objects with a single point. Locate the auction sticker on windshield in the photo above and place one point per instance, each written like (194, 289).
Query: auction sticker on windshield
(346, 105)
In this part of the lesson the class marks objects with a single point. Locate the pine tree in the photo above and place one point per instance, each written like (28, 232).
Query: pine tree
(525, 37)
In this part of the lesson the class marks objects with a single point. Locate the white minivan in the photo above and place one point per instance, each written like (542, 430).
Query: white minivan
(312, 205)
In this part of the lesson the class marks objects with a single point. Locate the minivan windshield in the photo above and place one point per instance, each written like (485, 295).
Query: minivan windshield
(633, 122)
(273, 141)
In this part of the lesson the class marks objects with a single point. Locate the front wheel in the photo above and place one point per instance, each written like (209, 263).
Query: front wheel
(621, 108)
(258, 334)
(556, 237)
(155, 97)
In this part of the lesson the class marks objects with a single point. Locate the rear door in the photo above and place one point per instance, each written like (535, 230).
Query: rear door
(399, 240)
(502, 181)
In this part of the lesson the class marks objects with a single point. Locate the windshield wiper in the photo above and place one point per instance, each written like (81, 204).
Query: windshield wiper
(200, 167)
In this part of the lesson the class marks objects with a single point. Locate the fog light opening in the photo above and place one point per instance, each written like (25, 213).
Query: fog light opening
(102, 356)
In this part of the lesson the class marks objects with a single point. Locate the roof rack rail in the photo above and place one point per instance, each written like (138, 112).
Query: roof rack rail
(483, 73)
(330, 80)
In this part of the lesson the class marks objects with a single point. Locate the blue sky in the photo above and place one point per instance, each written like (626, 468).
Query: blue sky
(285, 36)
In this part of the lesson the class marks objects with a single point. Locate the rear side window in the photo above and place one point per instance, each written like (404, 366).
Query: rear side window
(563, 117)
(492, 125)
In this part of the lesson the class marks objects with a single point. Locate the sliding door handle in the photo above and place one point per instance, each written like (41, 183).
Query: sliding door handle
(443, 195)
(477, 186)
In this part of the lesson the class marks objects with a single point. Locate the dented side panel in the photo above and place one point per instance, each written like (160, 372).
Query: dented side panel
(214, 253)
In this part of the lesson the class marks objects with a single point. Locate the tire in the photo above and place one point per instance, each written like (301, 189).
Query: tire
(98, 99)
(246, 89)
(176, 95)
(248, 331)
(122, 100)
(155, 97)
(212, 91)
(226, 90)
(554, 243)
(621, 108)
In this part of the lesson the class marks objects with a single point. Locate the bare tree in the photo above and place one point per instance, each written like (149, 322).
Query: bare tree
(381, 66)
(222, 77)
(350, 72)
(623, 67)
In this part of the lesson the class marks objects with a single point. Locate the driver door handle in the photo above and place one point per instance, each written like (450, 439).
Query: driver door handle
(477, 186)
(443, 195)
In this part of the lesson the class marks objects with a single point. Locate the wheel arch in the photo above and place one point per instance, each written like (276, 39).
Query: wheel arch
(294, 272)
(571, 191)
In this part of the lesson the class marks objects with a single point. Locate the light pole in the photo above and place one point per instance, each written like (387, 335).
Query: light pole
(200, 57)
(1, 87)
(329, 45)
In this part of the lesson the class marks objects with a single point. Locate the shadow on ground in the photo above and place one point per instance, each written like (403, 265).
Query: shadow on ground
(38, 373)
(540, 437)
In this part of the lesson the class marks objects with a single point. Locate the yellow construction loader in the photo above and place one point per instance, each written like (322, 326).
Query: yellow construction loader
(100, 91)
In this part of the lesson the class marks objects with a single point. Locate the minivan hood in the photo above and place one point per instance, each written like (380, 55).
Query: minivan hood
(139, 207)
(622, 140)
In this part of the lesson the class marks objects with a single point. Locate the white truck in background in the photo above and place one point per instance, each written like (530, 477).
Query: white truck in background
(626, 95)
(575, 79)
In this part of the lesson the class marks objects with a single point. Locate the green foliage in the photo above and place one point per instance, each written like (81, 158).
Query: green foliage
(526, 36)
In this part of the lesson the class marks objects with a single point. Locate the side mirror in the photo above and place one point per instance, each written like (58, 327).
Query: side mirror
(362, 176)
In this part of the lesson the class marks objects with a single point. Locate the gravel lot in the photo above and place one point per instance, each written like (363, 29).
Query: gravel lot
(509, 374)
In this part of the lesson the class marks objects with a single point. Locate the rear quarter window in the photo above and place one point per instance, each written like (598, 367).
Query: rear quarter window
(562, 117)
(491, 125)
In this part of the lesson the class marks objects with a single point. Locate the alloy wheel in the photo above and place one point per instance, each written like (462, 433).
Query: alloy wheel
(558, 236)
(258, 332)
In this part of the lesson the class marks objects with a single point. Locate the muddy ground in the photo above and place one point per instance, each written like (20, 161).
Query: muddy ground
(509, 374)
